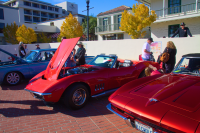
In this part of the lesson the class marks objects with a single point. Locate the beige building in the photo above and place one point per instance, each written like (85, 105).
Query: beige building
(171, 13)
(108, 24)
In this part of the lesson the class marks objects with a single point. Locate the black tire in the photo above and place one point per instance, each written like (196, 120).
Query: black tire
(142, 74)
(76, 96)
(13, 78)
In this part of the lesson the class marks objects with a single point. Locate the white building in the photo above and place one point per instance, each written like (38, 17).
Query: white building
(108, 24)
(38, 15)
(171, 13)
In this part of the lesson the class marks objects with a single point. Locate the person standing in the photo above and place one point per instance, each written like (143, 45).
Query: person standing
(37, 46)
(22, 51)
(80, 54)
(146, 50)
(26, 49)
(171, 49)
(183, 31)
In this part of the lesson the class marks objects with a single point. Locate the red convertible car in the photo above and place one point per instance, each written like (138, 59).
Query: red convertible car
(162, 103)
(104, 74)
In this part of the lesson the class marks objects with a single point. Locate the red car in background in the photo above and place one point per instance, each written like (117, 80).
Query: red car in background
(162, 103)
(74, 86)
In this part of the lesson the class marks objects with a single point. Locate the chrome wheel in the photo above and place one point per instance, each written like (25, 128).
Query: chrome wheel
(13, 78)
(79, 97)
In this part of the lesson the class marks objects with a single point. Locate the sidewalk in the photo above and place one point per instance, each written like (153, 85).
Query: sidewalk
(20, 112)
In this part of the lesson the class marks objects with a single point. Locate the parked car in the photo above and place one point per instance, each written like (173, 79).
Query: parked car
(164, 102)
(14, 70)
(104, 74)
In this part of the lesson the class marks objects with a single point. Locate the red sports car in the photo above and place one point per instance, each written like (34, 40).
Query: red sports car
(162, 103)
(104, 74)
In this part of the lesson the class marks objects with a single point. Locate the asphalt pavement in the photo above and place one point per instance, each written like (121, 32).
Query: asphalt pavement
(21, 113)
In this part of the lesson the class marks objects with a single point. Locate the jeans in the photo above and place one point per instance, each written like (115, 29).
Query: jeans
(145, 59)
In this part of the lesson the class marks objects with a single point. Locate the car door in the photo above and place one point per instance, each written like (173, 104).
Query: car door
(120, 76)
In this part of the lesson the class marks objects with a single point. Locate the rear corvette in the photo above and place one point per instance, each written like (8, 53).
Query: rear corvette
(74, 86)
(162, 103)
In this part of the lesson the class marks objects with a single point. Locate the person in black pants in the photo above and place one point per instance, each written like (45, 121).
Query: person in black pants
(171, 49)
(80, 54)
(22, 51)
(183, 31)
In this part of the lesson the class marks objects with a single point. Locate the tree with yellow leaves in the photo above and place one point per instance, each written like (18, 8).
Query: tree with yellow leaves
(9, 32)
(134, 24)
(26, 35)
(70, 28)
(43, 38)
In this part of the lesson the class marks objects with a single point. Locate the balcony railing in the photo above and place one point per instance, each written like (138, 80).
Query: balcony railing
(43, 15)
(27, 13)
(180, 10)
(27, 19)
(107, 28)
(36, 14)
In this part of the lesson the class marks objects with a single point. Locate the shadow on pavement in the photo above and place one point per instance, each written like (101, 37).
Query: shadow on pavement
(20, 86)
(94, 107)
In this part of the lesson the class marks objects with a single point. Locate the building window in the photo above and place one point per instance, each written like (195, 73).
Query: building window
(2, 25)
(174, 6)
(35, 5)
(56, 15)
(50, 8)
(105, 24)
(119, 18)
(63, 11)
(28, 18)
(1, 14)
(43, 19)
(52, 24)
(27, 3)
(173, 29)
(28, 12)
(51, 15)
(43, 7)
(120, 36)
(14, 3)
(43, 14)
(56, 9)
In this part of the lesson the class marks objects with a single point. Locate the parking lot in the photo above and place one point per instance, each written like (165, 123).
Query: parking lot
(20, 112)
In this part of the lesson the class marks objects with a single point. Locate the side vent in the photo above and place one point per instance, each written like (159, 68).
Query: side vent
(99, 87)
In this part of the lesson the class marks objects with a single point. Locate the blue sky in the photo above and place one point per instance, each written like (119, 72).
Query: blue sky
(99, 5)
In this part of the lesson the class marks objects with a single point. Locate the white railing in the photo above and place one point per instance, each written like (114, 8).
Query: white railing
(107, 28)
(183, 9)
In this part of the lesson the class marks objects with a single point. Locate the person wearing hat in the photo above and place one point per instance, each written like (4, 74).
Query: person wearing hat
(37, 46)
(183, 31)
(146, 50)
(22, 51)
(80, 54)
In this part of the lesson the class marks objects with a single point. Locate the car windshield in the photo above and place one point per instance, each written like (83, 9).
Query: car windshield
(30, 56)
(103, 61)
(189, 66)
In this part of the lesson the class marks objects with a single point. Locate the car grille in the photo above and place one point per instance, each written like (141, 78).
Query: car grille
(143, 121)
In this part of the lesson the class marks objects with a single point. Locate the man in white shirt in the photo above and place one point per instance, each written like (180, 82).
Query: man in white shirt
(146, 50)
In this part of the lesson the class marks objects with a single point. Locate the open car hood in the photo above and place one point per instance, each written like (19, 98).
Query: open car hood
(59, 58)
(17, 58)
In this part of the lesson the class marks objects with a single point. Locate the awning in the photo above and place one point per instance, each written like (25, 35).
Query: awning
(55, 35)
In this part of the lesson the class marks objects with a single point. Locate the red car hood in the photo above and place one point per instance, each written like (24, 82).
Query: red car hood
(59, 58)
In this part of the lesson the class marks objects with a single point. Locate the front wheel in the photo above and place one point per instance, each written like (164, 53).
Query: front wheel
(76, 96)
(13, 78)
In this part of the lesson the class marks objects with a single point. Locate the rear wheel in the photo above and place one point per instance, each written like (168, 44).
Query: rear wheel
(76, 96)
(13, 78)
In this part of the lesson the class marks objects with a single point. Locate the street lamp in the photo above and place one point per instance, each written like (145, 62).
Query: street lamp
(87, 1)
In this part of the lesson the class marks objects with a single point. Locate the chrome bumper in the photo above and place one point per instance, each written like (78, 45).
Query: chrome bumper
(109, 108)
(38, 95)
(128, 121)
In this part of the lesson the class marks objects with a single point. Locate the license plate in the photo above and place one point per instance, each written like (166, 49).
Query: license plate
(143, 128)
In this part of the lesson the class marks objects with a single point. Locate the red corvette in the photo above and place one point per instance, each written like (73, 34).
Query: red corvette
(104, 74)
(162, 103)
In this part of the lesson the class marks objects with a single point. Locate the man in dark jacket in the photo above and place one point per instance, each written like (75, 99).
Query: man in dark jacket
(80, 55)
(183, 31)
